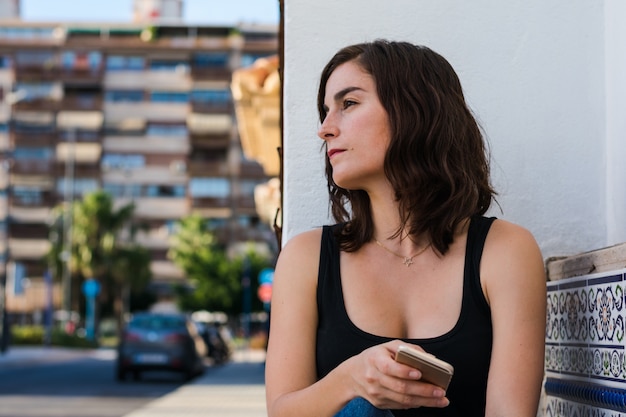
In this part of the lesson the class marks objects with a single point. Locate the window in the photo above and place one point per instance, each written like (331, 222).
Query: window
(39, 91)
(35, 58)
(81, 186)
(211, 96)
(30, 154)
(81, 60)
(32, 128)
(125, 63)
(117, 130)
(247, 221)
(169, 65)
(120, 96)
(26, 33)
(169, 97)
(122, 190)
(165, 191)
(28, 196)
(5, 62)
(211, 60)
(209, 187)
(209, 155)
(216, 223)
(112, 161)
(79, 135)
(162, 129)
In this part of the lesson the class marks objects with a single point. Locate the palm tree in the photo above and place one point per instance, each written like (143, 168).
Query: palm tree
(98, 251)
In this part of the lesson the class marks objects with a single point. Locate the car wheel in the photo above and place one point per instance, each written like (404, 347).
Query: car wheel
(120, 374)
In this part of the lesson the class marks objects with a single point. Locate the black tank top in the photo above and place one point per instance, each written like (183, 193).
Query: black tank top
(467, 346)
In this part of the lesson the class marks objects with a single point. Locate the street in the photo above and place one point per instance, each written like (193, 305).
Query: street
(80, 384)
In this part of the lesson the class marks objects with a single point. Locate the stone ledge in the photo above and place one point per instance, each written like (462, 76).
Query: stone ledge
(599, 260)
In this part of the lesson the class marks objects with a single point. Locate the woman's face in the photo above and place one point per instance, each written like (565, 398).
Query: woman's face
(356, 128)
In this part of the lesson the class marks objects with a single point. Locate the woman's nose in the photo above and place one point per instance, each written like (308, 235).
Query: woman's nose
(328, 129)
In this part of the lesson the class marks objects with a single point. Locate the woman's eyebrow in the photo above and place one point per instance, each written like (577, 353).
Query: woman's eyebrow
(341, 93)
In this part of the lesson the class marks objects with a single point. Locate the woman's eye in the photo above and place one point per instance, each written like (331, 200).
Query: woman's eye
(348, 103)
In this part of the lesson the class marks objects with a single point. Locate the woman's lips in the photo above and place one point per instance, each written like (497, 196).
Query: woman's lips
(333, 152)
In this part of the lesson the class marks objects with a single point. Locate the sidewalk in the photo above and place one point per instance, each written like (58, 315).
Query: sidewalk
(42, 354)
(233, 390)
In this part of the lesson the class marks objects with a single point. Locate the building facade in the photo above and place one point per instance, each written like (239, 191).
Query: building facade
(142, 111)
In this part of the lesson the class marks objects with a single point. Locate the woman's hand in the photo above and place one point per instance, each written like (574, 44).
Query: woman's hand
(387, 384)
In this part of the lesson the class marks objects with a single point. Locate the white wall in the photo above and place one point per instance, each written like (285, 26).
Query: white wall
(534, 74)
(616, 120)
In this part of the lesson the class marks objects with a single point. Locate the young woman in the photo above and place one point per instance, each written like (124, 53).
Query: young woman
(411, 260)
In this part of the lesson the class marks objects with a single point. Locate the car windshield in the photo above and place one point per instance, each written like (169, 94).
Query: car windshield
(157, 323)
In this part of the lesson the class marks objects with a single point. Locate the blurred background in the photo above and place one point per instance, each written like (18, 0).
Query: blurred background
(139, 146)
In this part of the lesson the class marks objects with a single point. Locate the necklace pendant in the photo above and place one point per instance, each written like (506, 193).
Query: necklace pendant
(408, 261)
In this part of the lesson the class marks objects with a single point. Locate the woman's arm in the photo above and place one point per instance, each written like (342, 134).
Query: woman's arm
(292, 388)
(513, 278)
(290, 372)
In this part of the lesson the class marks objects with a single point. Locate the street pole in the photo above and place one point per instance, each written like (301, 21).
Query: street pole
(68, 218)
(130, 196)
(11, 99)
(4, 321)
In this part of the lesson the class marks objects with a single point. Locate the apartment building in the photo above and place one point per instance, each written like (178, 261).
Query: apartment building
(142, 111)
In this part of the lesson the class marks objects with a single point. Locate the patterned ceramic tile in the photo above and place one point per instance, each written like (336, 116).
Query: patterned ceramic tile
(558, 407)
(585, 345)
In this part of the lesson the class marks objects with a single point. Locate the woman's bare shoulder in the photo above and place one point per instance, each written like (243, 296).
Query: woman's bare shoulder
(505, 235)
(511, 258)
(301, 253)
(303, 243)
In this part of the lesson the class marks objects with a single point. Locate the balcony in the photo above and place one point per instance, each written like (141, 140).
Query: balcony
(164, 208)
(41, 104)
(174, 112)
(208, 169)
(36, 73)
(39, 215)
(78, 153)
(44, 138)
(167, 80)
(163, 175)
(87, 120)
(33, 167)
(211, 202)
(209, 124)
(201, 107)
(29, 249)
(81, 102)
(81, 171)
(145, 145)
(125, 80)
(29, 231)
(46, 199)
(82, 77)
(199, 73)
(209, 142)
(156, 238)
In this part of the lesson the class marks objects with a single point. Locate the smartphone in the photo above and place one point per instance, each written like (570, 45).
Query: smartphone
(433, 370)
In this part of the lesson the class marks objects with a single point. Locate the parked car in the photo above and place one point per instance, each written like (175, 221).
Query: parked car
(160, 341)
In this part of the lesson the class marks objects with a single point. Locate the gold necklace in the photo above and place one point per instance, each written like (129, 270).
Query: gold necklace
(408, 260)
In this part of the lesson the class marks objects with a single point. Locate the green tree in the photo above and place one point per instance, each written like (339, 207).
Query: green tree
(215, 279)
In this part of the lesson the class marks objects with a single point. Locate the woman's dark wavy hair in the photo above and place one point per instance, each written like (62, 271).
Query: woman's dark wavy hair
(436, 162)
